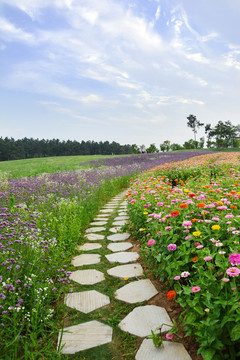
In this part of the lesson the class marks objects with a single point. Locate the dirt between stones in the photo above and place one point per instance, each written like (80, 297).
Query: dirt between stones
(173, 309)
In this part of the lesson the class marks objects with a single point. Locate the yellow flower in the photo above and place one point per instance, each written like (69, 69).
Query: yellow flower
(142, 229)
(126, 278)
(196, 233)
(145, 213)
(219, 202)
(215, 227)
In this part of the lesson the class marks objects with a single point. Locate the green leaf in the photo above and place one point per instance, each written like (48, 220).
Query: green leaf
(235, 333)
(208, 354)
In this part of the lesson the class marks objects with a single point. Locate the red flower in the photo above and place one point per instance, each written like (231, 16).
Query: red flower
(183, 206)
(194, 259)
(171, 294)
(201, 205)
(175, 213)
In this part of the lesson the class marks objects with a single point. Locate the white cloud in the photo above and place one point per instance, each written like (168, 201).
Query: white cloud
(10, 32)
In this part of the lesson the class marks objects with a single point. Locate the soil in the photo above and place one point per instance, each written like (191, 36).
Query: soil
(173, 309)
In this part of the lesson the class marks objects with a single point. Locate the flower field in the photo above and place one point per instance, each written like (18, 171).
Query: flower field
(186, 216)
(42, 219)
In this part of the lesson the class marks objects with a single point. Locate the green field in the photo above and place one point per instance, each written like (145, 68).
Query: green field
(36, 166)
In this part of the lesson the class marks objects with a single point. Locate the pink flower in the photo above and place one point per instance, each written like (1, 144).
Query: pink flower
(172, 247)
(225, 279)
(188, 237)
(151, 242)
(196, 289)
(176, 278)
(185, 274)
(169, 336)
(233, 271)
(187, 224)
(208, 258)
(234, 259)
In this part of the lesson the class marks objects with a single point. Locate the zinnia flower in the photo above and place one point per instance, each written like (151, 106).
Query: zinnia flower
(234, 259)
(175, 213)
(208, 258)
(172, 247)
(171, 294)
(215, 227)
(185, 274)
(233, 271)
(195, 258)
(183, 206)
(151, 242)
(196, 289)
(169, 336)
(196, 233)
(201, 205)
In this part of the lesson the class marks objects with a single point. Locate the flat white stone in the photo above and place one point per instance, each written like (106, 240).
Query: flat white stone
(120, 222)
(122, 213)
(143, 319)
(120, 246)
(94, 237)
(136, 291)
(119, 237)
(124, 217)
(86, 301)
(110, 206)
(100, 219)
(89, 246)
(122, 257)
(98, 223)
(107, 210)
(126, 271)
(87, 277)
(115, 229)
(86, 259)
(95, 229)
(102, 215)
(84, 336)
(169, 350)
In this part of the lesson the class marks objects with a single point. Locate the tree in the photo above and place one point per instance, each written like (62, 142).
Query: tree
(135, 149)
(190, 144)
(224, 133)
(152, 149)
(175, 147)
(194, 124)
(165, 146)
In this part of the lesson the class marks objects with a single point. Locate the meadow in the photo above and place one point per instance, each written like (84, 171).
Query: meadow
(42, 219)
(186, 216)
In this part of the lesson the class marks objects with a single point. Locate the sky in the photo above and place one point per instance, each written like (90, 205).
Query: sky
(129, 71)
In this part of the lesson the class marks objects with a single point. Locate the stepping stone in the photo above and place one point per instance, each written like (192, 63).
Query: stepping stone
(120, 222)
(98, 223)
(102, 215)
(125, 217)
(95, 229)
(86, 259)
(89, 246)
(101, 219)
(136, 291)
(143, 319)
(120, 246)
(87, 277)
(169, 350)
(126, 271)
(122, 257)
(119, 237)
(94, 237)
(122, 213)
(107, 210)
(115, 229)
(84, 336)
(86, 301)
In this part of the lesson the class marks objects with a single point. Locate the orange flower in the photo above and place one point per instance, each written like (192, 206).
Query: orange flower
(201, 205)
(195, 258)
(194, 220)
(233, 206)
(171, 294)
(175, 213)
(183, 206)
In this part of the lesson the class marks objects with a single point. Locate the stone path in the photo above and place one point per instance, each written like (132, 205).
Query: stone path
(142, 319)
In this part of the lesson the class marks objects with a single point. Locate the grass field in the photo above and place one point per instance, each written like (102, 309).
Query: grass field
(36, 166)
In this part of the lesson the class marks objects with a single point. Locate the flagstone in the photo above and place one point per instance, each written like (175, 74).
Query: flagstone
(87, 277)
(124, 217)
(115, 229)
(169, 350)
(89, 246)
(126, 271)
(86, 301)
(86, 259)
(103, 215)
(136, 291)
(120, 246)
(107, 210)
(119, 237)
(94, 237)
(84, 336)
(98, 223)
(122, 257)
(120, 222)
(143, 319)
(101, 219)
(95, 229)
(122, 213)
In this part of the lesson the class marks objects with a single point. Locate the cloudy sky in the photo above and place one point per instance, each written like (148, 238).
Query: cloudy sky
(129, 71)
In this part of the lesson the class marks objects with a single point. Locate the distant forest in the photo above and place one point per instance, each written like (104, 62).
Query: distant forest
(11, 149)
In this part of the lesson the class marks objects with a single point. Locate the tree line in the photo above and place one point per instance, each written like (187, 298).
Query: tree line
(11, 149)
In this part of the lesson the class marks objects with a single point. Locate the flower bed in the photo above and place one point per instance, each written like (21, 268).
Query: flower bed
(186, 215)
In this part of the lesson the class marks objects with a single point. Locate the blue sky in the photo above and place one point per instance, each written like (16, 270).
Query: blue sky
(129, 71)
